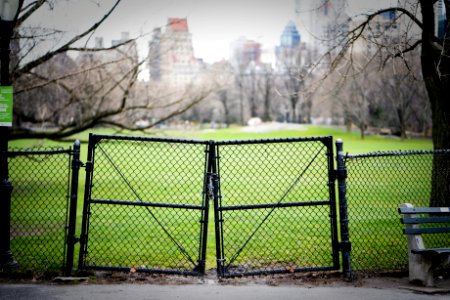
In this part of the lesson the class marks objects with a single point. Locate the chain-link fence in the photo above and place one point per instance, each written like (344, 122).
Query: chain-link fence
(277, 210)
(147, 205)
(39, 207)
(145, 208)
(377, 184)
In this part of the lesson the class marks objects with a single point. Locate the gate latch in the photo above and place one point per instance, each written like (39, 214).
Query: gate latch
(345, 246)
(210, 186)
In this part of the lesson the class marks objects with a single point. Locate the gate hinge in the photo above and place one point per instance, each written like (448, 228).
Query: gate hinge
(72, 240)
(76, 164)
(88, 165)
(210, 185)
(82, 239)
(345, 246)
(340, 173)
(200, 267)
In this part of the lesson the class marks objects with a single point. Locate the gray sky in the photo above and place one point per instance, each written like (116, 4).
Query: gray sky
(214, 24)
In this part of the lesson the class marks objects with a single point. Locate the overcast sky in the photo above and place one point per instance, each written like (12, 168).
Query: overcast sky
(214, 24)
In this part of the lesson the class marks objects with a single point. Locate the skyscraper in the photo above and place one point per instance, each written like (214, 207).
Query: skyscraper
(320, 22)
(440, 19)
(245, 52)
(155, 55)
(290, 38)
(288, 53)
(171, 54)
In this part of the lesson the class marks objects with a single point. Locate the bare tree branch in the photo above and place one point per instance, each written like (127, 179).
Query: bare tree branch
(116, 46)
(395, 9)
(28, 10)
(32, 64)
(48, 81)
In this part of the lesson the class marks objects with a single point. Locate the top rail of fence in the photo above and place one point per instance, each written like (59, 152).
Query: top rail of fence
(38, 151)
(397, 153)
(98, 137)
(276, 140)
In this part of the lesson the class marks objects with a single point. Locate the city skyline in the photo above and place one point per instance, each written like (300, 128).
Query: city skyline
(214, 24)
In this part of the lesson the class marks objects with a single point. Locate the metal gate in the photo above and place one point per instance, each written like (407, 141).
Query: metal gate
(145, 206)
(43, 202)
(147, 202)
(275, 210)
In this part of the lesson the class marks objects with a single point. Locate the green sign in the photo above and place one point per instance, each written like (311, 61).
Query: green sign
(6, 105)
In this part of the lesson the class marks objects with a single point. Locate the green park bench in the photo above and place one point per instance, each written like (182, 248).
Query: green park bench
(422, 260)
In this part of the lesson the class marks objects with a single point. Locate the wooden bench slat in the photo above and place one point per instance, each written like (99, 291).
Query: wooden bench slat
(438, 255)
(423, 261)
(426, 230)
(424, 210)
(440, 251)
(419, 220)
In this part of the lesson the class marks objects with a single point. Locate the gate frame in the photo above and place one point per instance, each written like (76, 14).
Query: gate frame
(336, 246)
(70, 211)
(199, 269)
(211, 192)
(345, 245)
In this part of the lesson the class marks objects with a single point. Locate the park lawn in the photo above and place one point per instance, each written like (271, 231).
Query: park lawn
(353, 144)
(117, 239)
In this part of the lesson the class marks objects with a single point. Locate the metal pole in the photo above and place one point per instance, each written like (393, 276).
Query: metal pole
(345, 245)
(71, 238)
(214, 195)
(6, 257)
(205, 216)
(86, 204)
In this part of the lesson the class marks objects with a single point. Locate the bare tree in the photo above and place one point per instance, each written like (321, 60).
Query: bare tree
(404, 98)
(294, 75)
(359, 101)
(223, 74)
(266, 87)
(414, 23)
(251, 78)
(100, 87)
(293, 83)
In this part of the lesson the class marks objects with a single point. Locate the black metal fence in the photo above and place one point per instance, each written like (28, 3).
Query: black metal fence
(147, 206)
(377, 184)
(276, 209)
(39, 207)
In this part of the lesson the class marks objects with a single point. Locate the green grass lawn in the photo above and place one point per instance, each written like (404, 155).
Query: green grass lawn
(352, 141)
(114, 240)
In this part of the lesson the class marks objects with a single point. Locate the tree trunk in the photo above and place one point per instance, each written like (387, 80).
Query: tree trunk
(362, 131)
(267, 99)
(401, 122)
(294, 100)
(436, 73)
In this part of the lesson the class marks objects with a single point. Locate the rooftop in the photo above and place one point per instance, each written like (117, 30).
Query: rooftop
(178, 24)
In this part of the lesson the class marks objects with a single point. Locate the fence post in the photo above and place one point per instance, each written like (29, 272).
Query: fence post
(71, 238)
(345, 245)
(214, 196)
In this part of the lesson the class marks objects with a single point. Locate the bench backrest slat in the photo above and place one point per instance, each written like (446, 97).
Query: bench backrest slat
(415, 216)
(424, 220)
(426, 230)
(425, 210)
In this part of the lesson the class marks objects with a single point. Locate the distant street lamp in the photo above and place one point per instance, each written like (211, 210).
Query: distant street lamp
(9, 9)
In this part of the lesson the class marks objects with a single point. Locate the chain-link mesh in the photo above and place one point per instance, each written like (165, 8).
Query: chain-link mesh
(146, 208)
(275, 207)
(377, 184)
(40, 179)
